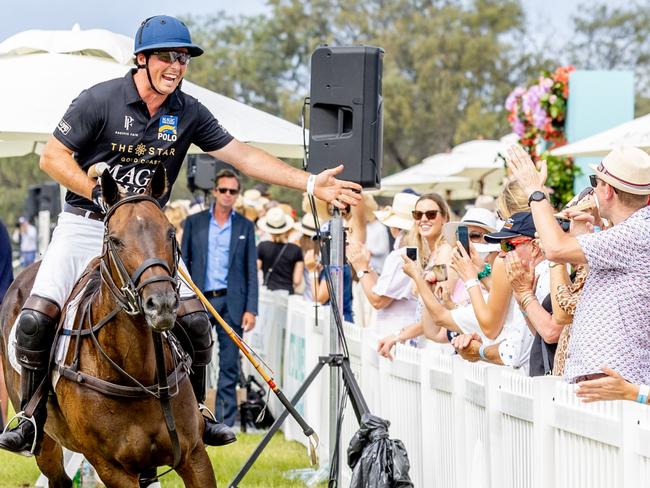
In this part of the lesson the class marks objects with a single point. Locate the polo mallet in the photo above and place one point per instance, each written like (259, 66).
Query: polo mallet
(250, 355)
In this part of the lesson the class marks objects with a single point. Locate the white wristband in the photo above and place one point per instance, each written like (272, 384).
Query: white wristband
(471, 283)
(311, 183)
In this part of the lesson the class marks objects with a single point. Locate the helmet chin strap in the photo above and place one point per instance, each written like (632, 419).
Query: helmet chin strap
(146, 67)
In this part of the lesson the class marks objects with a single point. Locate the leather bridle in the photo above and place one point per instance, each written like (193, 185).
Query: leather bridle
(128, 293)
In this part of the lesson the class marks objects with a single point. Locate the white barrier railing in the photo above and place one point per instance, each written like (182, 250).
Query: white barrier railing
(465, 424)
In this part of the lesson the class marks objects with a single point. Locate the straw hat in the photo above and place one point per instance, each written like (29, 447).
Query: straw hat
(307, 225)
(275, 221)
(626, 168)
(479, 217)
(399, 214)
(321, 208)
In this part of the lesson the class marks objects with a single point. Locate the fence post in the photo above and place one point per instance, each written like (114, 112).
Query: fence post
(543, 446)
(494, 424)
(460, 454)
(630, 459)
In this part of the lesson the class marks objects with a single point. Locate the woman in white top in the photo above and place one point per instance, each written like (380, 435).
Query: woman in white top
(392, 293)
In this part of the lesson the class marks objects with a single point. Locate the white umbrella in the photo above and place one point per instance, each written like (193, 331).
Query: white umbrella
(460, 172)
(634, 133)
(43, 71)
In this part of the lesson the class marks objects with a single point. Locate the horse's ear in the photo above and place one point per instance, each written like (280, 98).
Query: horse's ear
(110, 190)
(158, 184)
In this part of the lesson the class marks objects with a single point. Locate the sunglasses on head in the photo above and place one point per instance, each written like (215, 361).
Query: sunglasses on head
(511, 245)
(227, 190)
(173, 56)
(431, 214)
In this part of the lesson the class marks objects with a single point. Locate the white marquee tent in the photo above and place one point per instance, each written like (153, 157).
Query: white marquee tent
(43, 71)
(634, 133)
(459, 174)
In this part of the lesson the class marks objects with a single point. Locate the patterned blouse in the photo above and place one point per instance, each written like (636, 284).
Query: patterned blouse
(611, 325)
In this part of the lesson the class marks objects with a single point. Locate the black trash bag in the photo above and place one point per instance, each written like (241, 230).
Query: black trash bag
(375, 460)
(254, 411)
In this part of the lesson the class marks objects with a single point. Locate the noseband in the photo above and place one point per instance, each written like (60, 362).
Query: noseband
(128, 293)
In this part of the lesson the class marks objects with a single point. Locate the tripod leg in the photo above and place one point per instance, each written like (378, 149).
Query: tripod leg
(354, 391)
(276, 425)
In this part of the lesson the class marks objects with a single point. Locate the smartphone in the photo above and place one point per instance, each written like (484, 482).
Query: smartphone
(412, 253)
(440, 271)
(462, 235)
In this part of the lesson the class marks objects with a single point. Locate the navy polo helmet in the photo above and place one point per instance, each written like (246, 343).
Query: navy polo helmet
(164, 32)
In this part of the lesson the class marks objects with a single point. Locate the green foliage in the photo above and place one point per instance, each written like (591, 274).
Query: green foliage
(16, 175)
(561, 173)
(447, 69)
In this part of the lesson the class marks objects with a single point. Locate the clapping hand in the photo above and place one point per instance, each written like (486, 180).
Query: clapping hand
(520, 275)
(524, 171)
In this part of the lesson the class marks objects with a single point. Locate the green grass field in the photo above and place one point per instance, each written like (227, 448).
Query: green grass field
(279, 456)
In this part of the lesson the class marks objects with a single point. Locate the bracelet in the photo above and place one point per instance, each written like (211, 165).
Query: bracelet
(311, 183)
(487, 271)
(527, 301)
(644, 391)
(471, 283)
(481, 352)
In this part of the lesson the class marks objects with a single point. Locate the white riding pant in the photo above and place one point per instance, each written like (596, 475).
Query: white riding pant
(76, 240)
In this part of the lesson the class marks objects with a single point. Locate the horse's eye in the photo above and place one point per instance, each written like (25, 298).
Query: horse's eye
(116, 241)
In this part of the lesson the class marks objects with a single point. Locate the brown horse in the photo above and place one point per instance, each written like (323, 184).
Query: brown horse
(120, 428)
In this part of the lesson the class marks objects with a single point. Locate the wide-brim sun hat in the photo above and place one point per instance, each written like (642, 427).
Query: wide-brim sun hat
(399, 214)
(276, 221)
(478, 217)
(626, 168)
(307, 225)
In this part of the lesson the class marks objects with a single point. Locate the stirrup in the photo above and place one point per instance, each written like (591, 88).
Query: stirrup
(203, 408)
(21, 415)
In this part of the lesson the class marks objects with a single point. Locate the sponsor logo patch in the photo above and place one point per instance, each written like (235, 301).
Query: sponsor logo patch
(168, 128)
(64, 127)
(128, 122)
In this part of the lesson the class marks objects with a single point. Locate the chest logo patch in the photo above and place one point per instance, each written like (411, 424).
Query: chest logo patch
(168, 128)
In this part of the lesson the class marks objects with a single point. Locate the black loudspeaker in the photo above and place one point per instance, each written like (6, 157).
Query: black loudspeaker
(346, 112)
(201, 170)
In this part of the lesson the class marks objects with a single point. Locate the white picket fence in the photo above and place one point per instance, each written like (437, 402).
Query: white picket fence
(463, 424)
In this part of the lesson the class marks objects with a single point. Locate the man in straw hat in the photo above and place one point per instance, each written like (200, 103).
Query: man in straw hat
(611, 323)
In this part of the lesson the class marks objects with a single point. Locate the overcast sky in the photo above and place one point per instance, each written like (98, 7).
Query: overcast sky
(550, 19)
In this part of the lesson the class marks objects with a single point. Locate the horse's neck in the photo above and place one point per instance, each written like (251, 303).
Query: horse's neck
(125, 339)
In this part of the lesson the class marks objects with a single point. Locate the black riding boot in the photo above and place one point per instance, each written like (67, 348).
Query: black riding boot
(197, 340)
(34, 337)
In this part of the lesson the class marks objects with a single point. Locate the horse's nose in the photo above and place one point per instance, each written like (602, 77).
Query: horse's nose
(160, 309)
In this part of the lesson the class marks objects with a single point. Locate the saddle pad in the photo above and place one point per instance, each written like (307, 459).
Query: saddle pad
(62, 344)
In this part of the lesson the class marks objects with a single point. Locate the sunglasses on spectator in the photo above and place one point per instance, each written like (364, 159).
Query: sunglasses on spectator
(511, 245)
(227, 190)
(475, 236)
(593, 181)
(173, 56)
(431, 214)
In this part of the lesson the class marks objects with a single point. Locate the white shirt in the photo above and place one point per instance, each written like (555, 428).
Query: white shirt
(395, 284)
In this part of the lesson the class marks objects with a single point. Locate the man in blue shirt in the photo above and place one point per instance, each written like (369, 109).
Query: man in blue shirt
(219, 251)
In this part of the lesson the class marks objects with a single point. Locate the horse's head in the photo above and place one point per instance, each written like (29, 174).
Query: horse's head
(140, 252)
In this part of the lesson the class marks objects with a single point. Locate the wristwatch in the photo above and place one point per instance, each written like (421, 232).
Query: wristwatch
(536, 196)
(361, 273)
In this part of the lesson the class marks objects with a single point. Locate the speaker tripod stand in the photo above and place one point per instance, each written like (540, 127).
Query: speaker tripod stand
(338, 362)
(351, 389)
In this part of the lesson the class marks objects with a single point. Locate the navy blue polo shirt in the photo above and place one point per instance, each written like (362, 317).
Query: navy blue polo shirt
(110, 122)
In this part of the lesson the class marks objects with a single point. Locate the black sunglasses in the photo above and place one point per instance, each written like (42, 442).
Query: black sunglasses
(173, 56)
(431, 214)
(593, 181)
(227, 190)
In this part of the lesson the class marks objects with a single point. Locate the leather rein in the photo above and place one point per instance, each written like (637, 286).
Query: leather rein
(128, 296)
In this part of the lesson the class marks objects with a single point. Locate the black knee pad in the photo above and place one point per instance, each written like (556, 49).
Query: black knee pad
(34, 336)
(197, 329)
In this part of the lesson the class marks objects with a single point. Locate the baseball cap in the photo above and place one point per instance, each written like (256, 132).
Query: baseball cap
(520, 224)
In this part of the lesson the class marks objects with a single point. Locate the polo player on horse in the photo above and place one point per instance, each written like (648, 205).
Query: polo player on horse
(134, 124)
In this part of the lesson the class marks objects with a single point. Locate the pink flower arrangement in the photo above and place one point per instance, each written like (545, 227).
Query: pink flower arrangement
(539, 111)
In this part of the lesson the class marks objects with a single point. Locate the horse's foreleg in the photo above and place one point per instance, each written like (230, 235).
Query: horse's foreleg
(196, 471)
(50, 462)
(113, 476)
